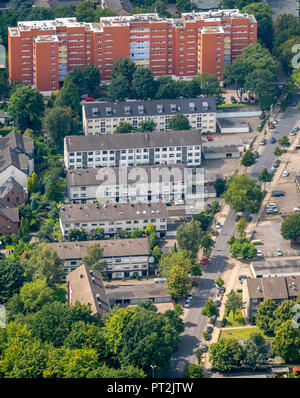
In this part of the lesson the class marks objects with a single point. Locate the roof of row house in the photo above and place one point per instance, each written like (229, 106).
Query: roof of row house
(119, 6)
(86, 286)
(111, 248)
(131, 140)
(93, 176)
(9, 185)
(274, 288)
(132, 108)
(15, 150)
(111, 211)
(9, 211)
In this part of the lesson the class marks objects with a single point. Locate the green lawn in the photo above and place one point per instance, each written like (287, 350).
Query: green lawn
(242, 333)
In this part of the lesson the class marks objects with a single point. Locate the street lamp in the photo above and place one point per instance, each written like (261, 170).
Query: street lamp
(153, 367)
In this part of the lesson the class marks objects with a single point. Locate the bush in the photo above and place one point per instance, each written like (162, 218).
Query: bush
(193, 372)
(237, 218)
(224, 323)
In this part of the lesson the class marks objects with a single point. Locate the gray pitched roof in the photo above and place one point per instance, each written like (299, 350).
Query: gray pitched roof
(8, 211)
(150, 107)
(15, 149)
(111, 248)
(86, 286)
(132, 140)
(273, 288)
(9, 185)
(112, 211)
(119, 5)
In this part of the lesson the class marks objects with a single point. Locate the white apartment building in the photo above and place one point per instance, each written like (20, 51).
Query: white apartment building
(134, 184)
(134, 149)
(104, 117)
(113, 217)
(124, 257)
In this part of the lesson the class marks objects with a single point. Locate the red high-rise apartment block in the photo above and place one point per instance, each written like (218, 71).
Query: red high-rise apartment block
(41, 53)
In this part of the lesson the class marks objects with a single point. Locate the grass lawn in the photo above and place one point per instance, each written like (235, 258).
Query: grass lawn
(8, 247)
(237, 320)
(242, 333)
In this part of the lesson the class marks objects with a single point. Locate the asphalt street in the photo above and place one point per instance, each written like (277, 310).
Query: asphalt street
(195, 323)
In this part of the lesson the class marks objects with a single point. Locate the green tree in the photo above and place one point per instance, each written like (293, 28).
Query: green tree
(185, 6)
(178, 282)
(93, 256)
(283, 313)
(35, 294)
(194, 372)
(26, 106)
(124, 67)
(226, 354)
(156, 253)
(207, 242)
(286, 343)
(85, 11)
(118, 89)
(54, 192)
(57, 123)
(182, 258)
(242, 247)
(32, 183)
(189, 236)
(234, 303)
(204, 218)
(265, 176)
(220, 186)
(210, 309)
(227, 4)
(179, 122)
(248, 159)
(40, 14)
(257, 353)
(219, 282)
(76, 234)
(241, 226)
(44, 263)
(290, 227)
(265, 316)
(284, 141)
(124, 127)
(137, 233)
(150, 229)
(209, 85)
(143, 84)
(243, 193)
(166, 88)
(11, 278)
(147, 125)
(92, 78)
(68, 96)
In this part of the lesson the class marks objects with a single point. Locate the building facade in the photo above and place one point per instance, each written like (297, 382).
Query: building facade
(124, 257)
(104, 117)
(135, 184)
(133, 149)
(113, 217)
(198, 42)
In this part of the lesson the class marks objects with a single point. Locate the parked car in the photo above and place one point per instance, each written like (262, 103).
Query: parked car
(273, 169)
(294, 102)
(251, 98)
(285, 173)
(297, 147)
(190, 296)
(276, 165)
(275, 122)
(245, 100)
(218, 225)
(187, 304)
(212, 319)
(209, 329)
(233, 100)
(272, 140)
(179, 202)
(209, 138)
(272, 126)
(297, 209)
(256, 154)
(271, 205)
(203, 348)
(221, 289)
(279, 252)
(259, 253)
(159, 280)
(218, 303)
(89, 99)
(204, 260)
(263, 142)
(272, 210)
(276, 194)
(207, 337)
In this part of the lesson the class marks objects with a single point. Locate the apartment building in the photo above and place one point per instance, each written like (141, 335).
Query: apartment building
(134, 184)
(276, 288)
(124, 257)
(104, 117)
(134, 149)
(113, 217)
(197, 42)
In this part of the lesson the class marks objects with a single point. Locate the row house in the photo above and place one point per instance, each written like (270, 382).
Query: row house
(133, 149)
(104, 117)
(113, 217)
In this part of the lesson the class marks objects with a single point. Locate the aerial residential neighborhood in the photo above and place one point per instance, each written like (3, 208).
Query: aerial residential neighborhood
(149, 189)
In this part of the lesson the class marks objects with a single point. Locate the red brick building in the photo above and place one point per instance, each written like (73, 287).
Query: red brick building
(42, 52)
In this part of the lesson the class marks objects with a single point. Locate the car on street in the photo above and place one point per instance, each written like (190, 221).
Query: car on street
(204, 348)
(256, 155)
(209, 138)
(218, 225)
(272, 126)
(297, 147)
(221, 289)
(279, 252)
(204, 260)
(294, 131)
(276, 165)
(259, 253)
(276, 194)
(251, 98)
(272, 211)
(207, 337)
(245, 100)
(262, 142)
(272, 140)
(218, 303)
(275, 122)
(285, 173)
(187, 304)
(212, 319)
(233, 100)
(179, 202)
(273, 169)
(271, 205)
(297, 209)
(190, 296)
(209, 329)
(159, 280)
(89, 99)
(294, 102)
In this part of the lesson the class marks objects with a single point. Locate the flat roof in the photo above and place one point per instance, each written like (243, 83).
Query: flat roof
(232, 123)
(135, 291)
(276, 267)
(220, 149)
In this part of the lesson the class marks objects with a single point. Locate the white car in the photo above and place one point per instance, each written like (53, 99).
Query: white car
(285, 173)
(218, 225)
(259, 253)
(297, 209)
(187, 304)
(279, 252)
(179, 202)
(271, 205)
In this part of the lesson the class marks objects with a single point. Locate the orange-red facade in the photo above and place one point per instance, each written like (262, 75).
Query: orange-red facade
(42, 53)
